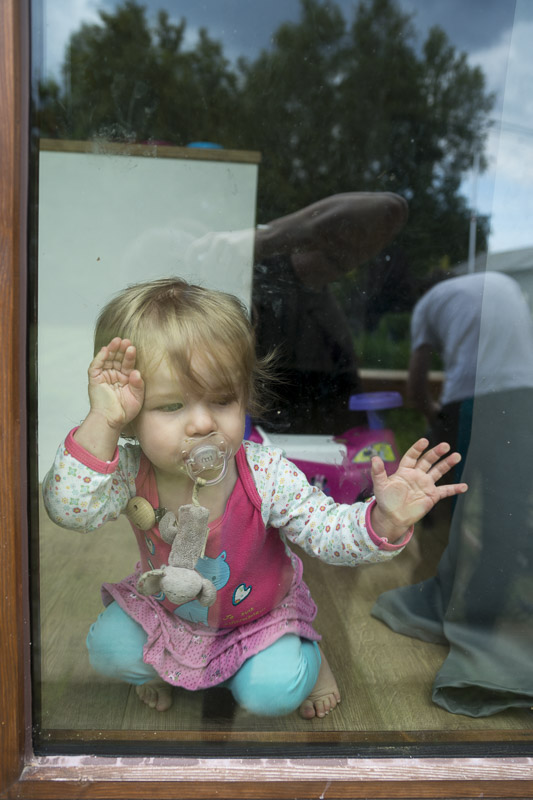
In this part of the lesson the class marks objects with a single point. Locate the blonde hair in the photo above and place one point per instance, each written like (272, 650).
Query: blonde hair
(180, 321)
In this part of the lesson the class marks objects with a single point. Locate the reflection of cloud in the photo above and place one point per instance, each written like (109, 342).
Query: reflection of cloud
(515, 158)
(506, 191)
(493, 61)
(514, 53)
(470, 25)
(61, 19)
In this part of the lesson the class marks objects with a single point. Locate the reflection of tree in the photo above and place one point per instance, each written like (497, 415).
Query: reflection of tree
(331, 107)
(362, 108)
(123, 80)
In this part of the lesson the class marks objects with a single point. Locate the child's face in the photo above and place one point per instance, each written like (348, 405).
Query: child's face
(169, 416)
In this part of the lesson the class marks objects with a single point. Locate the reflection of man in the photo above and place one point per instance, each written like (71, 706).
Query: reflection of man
(480, 602)
(447, 321)
(296, 257)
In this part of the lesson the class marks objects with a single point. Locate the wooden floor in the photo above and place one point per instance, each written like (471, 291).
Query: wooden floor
(385, 678)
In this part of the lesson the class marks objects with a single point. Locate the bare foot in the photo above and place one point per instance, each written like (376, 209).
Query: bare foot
(155, 694)
(325, 695)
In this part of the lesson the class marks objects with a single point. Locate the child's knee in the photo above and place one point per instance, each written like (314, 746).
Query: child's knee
(278, 680)
(115, 643)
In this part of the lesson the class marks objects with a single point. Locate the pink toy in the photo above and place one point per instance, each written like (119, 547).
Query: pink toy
(340, 465)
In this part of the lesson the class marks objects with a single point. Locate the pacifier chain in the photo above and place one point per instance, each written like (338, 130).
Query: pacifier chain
(206, 454)
(198, 483)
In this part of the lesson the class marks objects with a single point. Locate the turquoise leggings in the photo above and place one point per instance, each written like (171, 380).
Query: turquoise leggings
(271, 683)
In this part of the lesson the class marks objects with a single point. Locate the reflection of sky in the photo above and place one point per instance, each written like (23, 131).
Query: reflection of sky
(245, 26)
(496, 34)
(511, 143)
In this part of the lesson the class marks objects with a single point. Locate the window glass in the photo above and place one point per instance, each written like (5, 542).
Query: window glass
(358, 176)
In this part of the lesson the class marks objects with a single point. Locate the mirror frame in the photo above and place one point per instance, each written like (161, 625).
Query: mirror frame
(24, 775)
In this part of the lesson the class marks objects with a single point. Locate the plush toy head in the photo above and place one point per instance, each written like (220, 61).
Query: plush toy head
(179, 580)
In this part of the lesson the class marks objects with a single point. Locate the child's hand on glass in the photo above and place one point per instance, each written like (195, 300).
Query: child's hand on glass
(116, 388)
(407, 495)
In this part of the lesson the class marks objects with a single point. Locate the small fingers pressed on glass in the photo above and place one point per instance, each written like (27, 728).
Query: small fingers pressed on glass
(120, 355)
(433, 458)
(419, 457)
(413, 454)
(451, 489)
(444, 465)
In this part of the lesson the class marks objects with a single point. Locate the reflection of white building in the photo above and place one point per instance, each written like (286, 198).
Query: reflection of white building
(518, 264)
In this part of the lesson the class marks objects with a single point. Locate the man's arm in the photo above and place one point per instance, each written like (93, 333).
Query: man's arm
(334, 235)
(418, 389)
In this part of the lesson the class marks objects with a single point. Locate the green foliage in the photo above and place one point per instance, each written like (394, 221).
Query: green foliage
(408, 426)
(292, 111)
(387, 347)
(332, 106)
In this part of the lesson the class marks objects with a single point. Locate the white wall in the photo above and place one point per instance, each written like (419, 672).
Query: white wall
(107, 221)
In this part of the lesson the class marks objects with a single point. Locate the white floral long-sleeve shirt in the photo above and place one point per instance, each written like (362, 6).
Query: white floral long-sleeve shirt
(82, 493)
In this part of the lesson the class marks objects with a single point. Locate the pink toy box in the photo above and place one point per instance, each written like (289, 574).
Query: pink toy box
(340, 465)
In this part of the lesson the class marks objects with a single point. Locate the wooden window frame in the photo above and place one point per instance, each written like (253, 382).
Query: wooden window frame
(23, 775)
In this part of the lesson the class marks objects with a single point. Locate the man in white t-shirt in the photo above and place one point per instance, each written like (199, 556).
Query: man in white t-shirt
(481, 327)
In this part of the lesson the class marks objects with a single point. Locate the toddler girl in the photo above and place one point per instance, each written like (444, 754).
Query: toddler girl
(175, 370)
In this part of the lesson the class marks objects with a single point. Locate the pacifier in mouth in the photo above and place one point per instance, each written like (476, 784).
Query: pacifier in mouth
(205, 454)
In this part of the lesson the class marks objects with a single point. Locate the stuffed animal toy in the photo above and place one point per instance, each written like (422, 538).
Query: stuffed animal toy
(179, 580)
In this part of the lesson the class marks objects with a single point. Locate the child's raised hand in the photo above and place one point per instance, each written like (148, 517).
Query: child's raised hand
(407, 495)
(116, 388)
